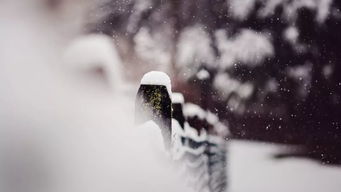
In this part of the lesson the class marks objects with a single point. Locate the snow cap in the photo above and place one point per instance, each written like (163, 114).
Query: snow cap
(191, 110)
(178, 98)
(157, 78)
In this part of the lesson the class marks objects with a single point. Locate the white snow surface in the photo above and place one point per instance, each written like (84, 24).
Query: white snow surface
(192, 133)
(191, 110)
(178, 98)
(252, 168)
(219, 128)
(177, 133)
(157, 78)
(152, 131)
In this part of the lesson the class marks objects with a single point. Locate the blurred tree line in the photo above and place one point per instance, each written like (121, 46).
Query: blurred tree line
(270, 68)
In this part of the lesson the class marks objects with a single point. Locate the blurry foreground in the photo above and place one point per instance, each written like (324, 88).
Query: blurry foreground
(67, 127)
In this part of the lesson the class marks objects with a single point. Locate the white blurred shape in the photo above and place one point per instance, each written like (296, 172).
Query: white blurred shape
(203, 74)
(60, 133)
(178, 98)
(327, 71)
(153, 47)
(192, 110)
(302, 75)
(240, 49)
(241, 9)
(95, 53)
(291, 34)
(194, 49)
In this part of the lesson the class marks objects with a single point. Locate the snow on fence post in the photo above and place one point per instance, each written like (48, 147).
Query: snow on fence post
(153, 102)
(193, 136)
(177, 104)
(209, 127)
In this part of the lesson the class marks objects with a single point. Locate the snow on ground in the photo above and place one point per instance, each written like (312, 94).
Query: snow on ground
(251, 168)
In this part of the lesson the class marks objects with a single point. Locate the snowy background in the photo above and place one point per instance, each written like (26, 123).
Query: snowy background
(267, 69)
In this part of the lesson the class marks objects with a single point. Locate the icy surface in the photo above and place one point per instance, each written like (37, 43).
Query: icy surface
(157, 78)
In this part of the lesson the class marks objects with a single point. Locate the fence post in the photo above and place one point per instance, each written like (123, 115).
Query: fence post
(177, 105)
(153, 102)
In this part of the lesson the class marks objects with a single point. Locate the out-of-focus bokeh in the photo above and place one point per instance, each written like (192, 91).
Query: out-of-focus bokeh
(269, 70)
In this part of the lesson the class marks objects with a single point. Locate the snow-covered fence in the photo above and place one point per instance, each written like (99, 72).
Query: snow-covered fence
(153, 102)
(198, 143)
(206, 130)
(191, 134)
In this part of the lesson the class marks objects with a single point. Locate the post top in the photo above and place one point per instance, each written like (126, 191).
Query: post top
(157, 78)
